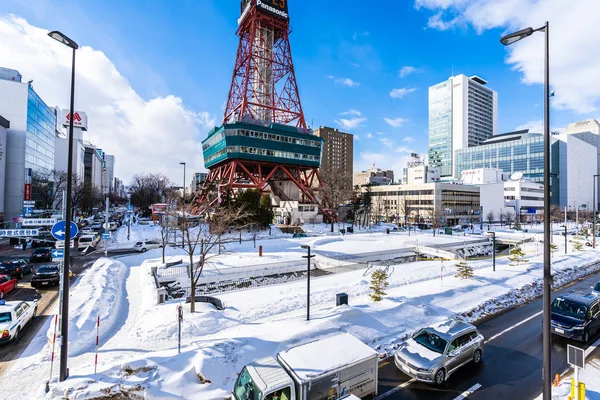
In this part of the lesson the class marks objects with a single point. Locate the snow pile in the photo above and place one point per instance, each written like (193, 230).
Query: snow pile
(99, 293)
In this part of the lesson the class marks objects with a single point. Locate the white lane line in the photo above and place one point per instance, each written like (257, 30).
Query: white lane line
(591, 349)
(394, 390)
(513, 327)
(467, 392)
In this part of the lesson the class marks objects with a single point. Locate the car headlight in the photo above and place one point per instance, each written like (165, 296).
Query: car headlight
(423, 370)
(578, 328)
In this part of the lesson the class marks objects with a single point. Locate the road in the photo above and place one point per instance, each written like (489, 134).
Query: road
(512, 359)
(46, 299)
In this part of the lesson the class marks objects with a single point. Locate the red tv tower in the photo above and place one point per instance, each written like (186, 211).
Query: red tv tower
(264, 143)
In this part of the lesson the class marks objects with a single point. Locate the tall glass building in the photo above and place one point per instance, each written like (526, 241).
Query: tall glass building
(512, 152)
(41, 133)
(463, 112)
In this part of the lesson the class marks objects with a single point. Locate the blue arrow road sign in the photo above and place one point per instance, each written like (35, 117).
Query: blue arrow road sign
(59, 230)
(58, 253)
(130, 207)
(106, 236)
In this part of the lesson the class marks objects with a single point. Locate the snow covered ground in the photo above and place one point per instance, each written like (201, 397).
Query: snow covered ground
(138, 339)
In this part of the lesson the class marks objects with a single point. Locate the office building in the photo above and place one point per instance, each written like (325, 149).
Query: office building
(30, 139)
(414, 175)
(198, 178)
(109, 161)
(93, 167)
(588, 125)
(522, 152)
(373, 176)
(463, 112)
(4, 125)
(447, 203)
(526, 198)
(338, 154)
(61, 146)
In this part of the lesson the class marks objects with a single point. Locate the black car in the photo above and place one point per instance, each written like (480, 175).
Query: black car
(41, 254)
(16, 268)
(576, 316)
(45, 275)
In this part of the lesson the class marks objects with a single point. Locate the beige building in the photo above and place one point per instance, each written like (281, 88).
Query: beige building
(373, 176)
(448, 204)
(588, 125)
(338, 153)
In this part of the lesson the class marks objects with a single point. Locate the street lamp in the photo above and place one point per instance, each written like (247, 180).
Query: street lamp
(182, 203)
(594, 215)
(308, 257)
(546, 334)
(493, 249)
(64, 326)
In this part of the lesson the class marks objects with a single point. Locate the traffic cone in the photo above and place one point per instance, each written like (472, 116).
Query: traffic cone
(556, 380)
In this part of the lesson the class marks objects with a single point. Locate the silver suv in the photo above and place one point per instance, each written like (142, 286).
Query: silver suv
(434, 353)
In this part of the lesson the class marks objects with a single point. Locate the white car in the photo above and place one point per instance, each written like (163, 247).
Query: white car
(146, 245)
(87, 241)
(14, 315)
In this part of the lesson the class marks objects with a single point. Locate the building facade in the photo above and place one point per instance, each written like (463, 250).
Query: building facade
(438, 203)
(373, 176)
(4, 125)
(526, 198)
(109, 160)
(577, 167)
(93, 167)
(198, 178)
(338, 153)
(420, 174)
(463, 113)
(30, 140)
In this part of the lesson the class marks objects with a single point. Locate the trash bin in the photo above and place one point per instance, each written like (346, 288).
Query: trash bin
(387, 230)
(342, 231)
(350, 229)
(341, 298)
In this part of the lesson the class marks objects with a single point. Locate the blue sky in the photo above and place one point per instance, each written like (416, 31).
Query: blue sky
(187, 49)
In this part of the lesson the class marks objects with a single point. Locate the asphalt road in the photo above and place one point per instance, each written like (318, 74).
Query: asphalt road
(46, 299)
(512, 359)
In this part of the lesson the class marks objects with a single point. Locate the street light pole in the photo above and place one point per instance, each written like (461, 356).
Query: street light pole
(182, 205)
(64, 370)
(308, 257)
(546, 333)
(594, 215)
(493, 249)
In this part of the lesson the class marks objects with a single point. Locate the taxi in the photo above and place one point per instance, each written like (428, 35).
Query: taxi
(14, 315)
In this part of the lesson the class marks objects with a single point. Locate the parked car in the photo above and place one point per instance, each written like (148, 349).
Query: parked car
(146, 245)
(576, 316)
(16, 268)
(7, 283)
(596, 289)
(45, 275)
(299, 235)
(14, 316)
(41, 254)
(434, 353)
(87, 241)
(96, 226)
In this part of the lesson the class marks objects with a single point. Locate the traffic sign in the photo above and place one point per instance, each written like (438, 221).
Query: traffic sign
(27, 211)
(39, 221)
(59, 230)
(531, 210)
(16, 219)
(130, 207)
(106, 236)
(18, 232)
(61, 243)
(127, 215)
(58, 254)
(28, 203)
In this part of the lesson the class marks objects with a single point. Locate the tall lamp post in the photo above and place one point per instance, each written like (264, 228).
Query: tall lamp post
(547, 346)
(64, 327)
(308, 257)
(493, 249)
(182, 204)
(594, 214)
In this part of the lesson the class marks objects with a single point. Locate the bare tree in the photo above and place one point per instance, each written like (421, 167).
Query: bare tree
(437, 216)
(338, 187)
(47, 187)
(490, 217)
(147, 189)
(510, 217)
(207, 233)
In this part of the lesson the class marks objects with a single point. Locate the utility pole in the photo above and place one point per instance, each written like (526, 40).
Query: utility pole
(308, 257)
(106, 225)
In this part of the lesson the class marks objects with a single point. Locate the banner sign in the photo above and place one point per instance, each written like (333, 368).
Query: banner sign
(38, 221)
(18, 232)
(80, 119)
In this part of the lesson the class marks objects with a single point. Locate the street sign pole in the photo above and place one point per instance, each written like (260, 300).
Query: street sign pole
(106, 225)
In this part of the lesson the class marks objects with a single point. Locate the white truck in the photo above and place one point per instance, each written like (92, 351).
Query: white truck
(325, 369)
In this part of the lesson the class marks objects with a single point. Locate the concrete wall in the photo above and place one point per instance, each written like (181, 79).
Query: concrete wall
(2, 169)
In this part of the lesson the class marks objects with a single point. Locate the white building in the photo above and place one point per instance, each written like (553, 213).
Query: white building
(373, 176)
(491, 186)
(463, 112)
(294, 213)
(578, 163)
(588, 125)
(61, 146)
(420, 174)
(4, 125)
(526, 198)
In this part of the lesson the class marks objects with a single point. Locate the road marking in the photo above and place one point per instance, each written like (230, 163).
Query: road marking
(394, 390)
(513, 327)
(591, 349)
(467, 392)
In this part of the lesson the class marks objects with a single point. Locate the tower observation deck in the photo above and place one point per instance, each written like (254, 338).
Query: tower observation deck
(264, 143)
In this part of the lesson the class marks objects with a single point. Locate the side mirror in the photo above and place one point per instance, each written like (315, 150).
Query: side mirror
(454, 353)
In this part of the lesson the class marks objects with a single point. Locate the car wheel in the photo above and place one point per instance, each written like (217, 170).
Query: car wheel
(144, 250)
(440, 377)
(586, 337)
(477, 356)
(16, 334)
(1, 295)
(21, 275)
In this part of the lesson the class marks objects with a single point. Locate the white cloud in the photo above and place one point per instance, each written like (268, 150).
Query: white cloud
(356, 35)
(574, 54)
(395, 122)
(144, 135)
(369, 136)
(350, 123)
(343, 81)
(536, 126)
(355, 65)
(403, 149)
(407, 70)
(401, 92)
(409, 139)
(356, 137)
(380, 133)
(352, 112)
(387, 142)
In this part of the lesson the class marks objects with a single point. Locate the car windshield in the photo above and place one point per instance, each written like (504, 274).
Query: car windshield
(597, 287)
(47, 269)
(138, 243)
(245, 388)
(430, 340)
(5, 317)
(569, 308)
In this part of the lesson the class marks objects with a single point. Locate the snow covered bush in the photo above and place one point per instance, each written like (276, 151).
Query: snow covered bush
(464, 270)
(517, 256)
(378, 284)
